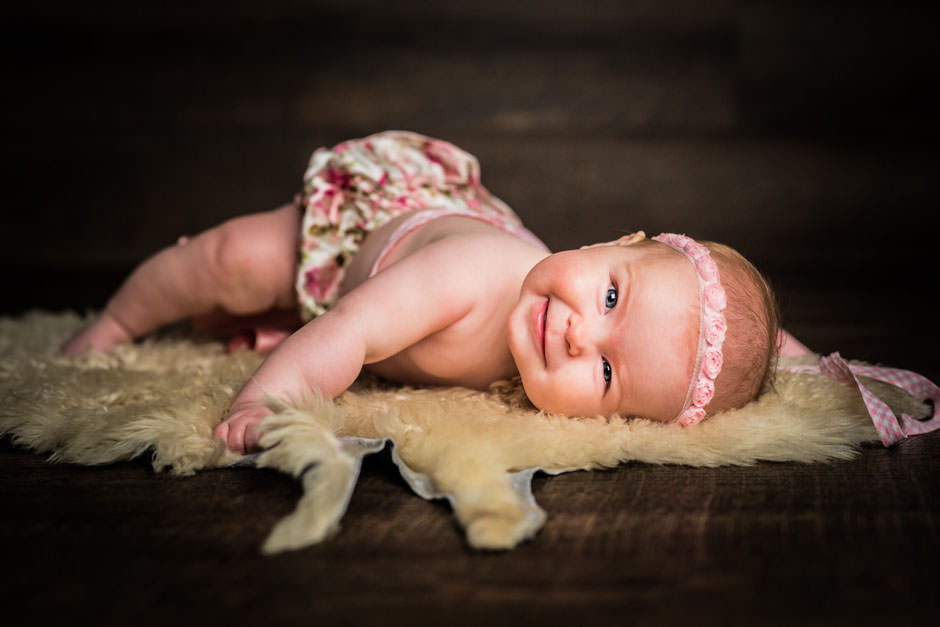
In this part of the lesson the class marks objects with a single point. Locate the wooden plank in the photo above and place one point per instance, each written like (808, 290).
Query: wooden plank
(840, 68)
(778, 200)
(522, 91)
(777, 543)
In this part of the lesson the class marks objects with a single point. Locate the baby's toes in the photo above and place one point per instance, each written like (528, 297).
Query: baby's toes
(76, 345)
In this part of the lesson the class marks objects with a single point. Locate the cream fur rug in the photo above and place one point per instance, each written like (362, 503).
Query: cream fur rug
(479, 450)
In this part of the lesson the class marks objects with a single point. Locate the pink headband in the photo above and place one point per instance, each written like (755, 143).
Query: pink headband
(712, 327)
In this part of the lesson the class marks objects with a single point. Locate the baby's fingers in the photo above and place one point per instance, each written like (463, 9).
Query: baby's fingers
(239, 433)
(232, 432)
(251, 437)
(221, 432)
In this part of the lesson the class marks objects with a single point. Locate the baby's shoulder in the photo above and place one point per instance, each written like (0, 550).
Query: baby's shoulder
(482, 255)
(455, 258)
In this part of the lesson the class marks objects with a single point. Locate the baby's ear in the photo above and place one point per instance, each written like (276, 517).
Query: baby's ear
(632, 238)
(626, 240)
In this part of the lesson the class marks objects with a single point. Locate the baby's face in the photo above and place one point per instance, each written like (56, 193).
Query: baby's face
(607, 329)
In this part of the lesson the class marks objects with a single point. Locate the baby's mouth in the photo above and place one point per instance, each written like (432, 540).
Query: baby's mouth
(542, 328)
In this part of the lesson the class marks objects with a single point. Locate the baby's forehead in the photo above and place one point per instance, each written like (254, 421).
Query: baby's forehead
(658, 338)
(666, 295)
(648, 252)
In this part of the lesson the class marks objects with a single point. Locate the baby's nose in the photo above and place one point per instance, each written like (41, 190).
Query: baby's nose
(575, 335)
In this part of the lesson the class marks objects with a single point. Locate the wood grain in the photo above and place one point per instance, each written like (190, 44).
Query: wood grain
(775, 543)
(805, 135)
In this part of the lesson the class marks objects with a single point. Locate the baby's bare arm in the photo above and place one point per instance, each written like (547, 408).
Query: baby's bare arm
(407, 302)
(243, 266)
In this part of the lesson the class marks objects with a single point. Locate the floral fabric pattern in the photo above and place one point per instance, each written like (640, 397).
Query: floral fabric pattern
(359, 185)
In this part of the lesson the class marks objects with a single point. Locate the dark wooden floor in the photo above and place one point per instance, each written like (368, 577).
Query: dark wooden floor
(806, 136)
(847, 543)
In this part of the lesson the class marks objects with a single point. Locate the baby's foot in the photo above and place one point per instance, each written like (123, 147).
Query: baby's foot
(239, 429)
(261, 340)
(101, 335)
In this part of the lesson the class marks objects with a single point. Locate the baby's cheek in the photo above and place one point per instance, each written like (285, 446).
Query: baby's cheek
(534, 390)
(563, 395)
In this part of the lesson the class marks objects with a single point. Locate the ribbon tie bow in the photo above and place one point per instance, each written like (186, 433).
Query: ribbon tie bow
(891, 428)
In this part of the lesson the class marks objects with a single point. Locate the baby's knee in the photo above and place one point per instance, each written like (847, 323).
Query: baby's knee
(252, 263)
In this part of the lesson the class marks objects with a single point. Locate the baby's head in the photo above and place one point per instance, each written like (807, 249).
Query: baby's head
(668, 329)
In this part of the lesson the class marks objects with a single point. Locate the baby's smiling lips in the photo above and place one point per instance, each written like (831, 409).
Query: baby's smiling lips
(541, 324)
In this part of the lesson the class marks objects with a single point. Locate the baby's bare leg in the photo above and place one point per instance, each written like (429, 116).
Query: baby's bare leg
(243, 266)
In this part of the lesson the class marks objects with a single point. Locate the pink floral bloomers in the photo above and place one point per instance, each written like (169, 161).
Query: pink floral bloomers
(361, 184)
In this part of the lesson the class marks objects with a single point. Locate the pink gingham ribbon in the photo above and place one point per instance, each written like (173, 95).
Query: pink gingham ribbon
(891, 428)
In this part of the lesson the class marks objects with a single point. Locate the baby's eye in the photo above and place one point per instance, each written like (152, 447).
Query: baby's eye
(608, 373)
(611, 298)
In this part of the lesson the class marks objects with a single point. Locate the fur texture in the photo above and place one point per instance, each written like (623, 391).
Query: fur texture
(165, 395)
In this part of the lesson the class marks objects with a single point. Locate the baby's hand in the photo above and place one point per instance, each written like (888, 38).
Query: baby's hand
(239, 429)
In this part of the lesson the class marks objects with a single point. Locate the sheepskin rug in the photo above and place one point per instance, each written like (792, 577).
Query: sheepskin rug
(163, 396)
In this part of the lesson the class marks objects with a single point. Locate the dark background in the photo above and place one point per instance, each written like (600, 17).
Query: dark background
(803, 133)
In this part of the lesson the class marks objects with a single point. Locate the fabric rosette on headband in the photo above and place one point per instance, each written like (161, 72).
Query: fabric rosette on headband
(712, 327)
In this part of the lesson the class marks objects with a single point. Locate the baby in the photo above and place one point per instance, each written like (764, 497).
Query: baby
(410, 268)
